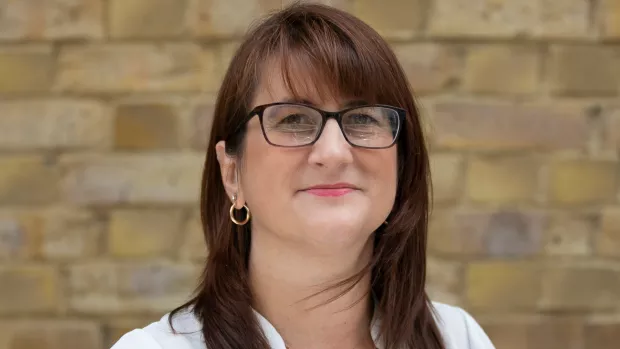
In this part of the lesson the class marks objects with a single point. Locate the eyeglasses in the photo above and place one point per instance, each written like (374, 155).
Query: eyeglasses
(296, 125)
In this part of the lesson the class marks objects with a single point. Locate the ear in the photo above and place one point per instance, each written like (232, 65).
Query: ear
(229, 169)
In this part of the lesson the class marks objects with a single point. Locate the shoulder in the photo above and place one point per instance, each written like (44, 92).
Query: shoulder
(159, 335)
(459, 328)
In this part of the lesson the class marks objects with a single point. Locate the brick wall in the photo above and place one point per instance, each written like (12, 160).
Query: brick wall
(105, 109)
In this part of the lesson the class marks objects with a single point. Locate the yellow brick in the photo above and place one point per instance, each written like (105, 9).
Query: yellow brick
(503, 285)
(26, 69)
(583, 182)
(57, 124)
(612, 131)
(502, 69)
(141, 233)
(117, 68)
(444, 280)
(429, 67)
(130, 288)
(506, 126)
(28, 289)
(50, 334)
(569, 235)
(610, 18)
(447, 173)
(194, 245)
(508, 19)
(20, 235)
(602, 335)
(506, 233)
(580, 287)
(27, 180)
(393, 18)
(608, 241)
(531, 331)
(502, 180)
(147, 18)
(584, 70)
(146, 126)
(51, 19)
(228, 18)
(164, 178)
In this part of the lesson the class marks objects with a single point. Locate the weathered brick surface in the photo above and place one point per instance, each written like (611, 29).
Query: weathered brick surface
(61, 124)
(580, 286)
(447, 174)
(506, 18)
(609, 11)
(583, 182)
(393, 18)
(146, 126)
(503, 180)
(540, 332)
(570, 235)
(608, 239)
(26, 69)
(131, 287)
(50, 334)
(584, 70)
(430, 67)
(496, 69)
(51, 19)
(150, 178)
(507, 233)
(147, 18)
(106, 108)
(144, 233)
(506, 126)
(29, 289)
(503, 285)
(28, 179)
(118, 68)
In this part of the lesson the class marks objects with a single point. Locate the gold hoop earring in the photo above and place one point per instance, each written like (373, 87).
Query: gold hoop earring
(232, 213)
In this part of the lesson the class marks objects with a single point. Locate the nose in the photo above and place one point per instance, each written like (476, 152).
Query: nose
(331, 149)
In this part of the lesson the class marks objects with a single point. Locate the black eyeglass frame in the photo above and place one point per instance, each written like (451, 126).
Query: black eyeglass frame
(326, 115)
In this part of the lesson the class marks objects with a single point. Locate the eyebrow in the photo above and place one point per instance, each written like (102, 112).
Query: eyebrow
(351, 103)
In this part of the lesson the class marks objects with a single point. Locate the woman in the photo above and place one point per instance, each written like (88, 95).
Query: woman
(314, 203)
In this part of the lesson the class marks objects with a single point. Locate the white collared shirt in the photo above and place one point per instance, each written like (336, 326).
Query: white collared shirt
(459, 330)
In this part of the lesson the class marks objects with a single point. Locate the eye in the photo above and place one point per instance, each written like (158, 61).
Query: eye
(362, 119)
(297, 119)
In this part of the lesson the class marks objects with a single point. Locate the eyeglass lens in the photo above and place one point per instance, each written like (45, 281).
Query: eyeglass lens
(296, 125)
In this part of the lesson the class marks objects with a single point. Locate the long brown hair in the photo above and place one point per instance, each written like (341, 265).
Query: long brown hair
(349, 58)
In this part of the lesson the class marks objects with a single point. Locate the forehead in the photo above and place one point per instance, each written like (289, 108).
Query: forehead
(293, 80)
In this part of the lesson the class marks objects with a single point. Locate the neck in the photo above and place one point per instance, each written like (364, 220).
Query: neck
(283, 279)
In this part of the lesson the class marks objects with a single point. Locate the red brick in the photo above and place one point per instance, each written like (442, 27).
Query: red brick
(506, 126)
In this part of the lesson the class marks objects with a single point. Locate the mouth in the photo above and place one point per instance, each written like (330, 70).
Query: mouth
(331, 190)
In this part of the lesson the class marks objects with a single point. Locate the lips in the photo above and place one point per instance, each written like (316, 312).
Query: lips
(331, 190)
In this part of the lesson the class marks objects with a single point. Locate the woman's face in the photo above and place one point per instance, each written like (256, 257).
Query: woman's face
(276, 183)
